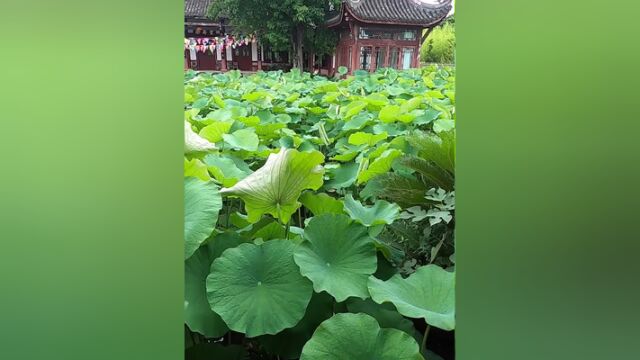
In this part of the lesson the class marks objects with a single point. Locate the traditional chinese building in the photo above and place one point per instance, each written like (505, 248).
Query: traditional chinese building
(373, 34)
(384, 33)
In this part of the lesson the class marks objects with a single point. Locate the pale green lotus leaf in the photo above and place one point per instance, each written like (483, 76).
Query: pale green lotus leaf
(226, 169)
(194, 142)
(357, 122)
(364, 138)
(428, 293)
(197, 169)
(442, 125)
(411, 104)
(343, 176)
(381, 212)
(275, 187)
(243, 139)
(359, 337)
(214, 132)
(380, 165)
(389, 113)
(257, 289)
(338, 256)
(321, 203)
(202, 203)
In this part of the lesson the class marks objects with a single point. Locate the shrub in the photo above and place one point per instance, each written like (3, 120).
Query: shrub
(440, 45)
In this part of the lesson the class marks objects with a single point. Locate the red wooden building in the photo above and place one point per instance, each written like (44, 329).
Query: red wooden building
(384, 33)
(373, 34)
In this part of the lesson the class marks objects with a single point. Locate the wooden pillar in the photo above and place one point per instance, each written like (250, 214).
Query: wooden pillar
(386, 56)
(259, 49)
(374, 58)
(311, 62)
(355, 50)
(332, 68)
(223, 59)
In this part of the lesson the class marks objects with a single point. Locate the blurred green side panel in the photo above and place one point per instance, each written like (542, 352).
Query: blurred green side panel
(91, 180)
(547, 180)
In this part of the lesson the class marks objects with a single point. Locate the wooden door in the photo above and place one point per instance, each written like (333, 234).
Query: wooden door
(207, 60)
(242, 55)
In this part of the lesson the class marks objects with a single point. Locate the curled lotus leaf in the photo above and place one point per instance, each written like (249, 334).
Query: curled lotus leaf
(194, 142)
(275, 188)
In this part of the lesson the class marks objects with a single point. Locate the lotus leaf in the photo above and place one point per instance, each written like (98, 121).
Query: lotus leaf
(257, 289)
(428, 293)
(381, 212)
(338, 256)
(198, 314)
(274, 188)
(359, 337)
(202, 203)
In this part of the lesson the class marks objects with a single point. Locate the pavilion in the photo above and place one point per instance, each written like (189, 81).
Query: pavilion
(372, 34)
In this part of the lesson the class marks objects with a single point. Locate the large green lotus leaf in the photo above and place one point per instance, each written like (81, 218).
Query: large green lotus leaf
(368, 139)
(428, 293)
(275, 187)
(198, 314)
(227, 170)
(193, 142)
(381, 212)
(215, 351)
(357, 122)
(197, 169)
(377, 99)
(269, 131)
(288, 343)
(347, 156)
(353, 108)
(411, 104)
(243, 139)
(272, 230)
(359, 337)
(321, 203)
(258, 289)
(343, 176)
(214, 131)
(338, 256)
(385, 314)
(380, 165)
(202, 203)
(265, 229)
(389, 113)
(441, 125)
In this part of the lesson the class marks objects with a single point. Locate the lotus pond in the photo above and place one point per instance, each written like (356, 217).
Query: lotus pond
(319, 215)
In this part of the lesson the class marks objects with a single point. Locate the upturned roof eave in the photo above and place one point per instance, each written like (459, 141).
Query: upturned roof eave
(382, 22)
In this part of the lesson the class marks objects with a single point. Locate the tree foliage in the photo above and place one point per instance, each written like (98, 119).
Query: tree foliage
(440, 46)
(283, 25)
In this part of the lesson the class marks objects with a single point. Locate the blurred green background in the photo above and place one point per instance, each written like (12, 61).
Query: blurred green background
(91, 194)
(91, 189)
(547, 175)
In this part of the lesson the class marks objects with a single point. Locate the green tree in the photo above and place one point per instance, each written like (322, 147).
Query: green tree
(440, 45)
(284, 25)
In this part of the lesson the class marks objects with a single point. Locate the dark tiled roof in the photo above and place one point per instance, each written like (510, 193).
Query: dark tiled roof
(405, 12)
(196, 8)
